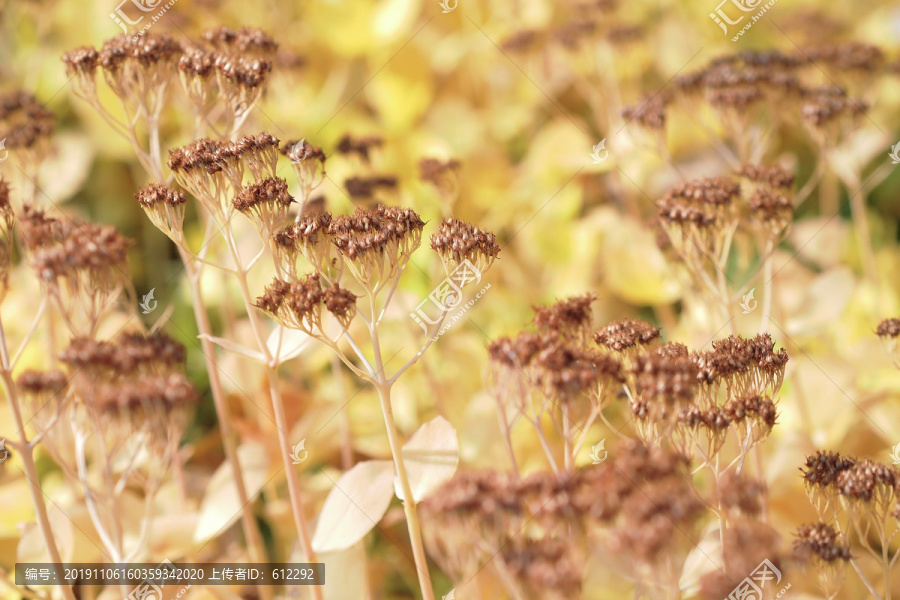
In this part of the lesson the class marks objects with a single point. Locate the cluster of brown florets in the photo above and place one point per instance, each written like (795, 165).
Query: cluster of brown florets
(555, 372)
(742, 87)
(231, 65)
(888, 332)
(26, 126)
(588, 24)
(214, 170)
(299, 304)
(628, 510)
(869, 488)
(133, 385)
(82, 266)
(457, 242)
(164, 205)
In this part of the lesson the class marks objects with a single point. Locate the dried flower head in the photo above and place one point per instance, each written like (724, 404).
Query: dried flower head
(164, 206)
(442, 174)
(570, 318)
(457, 241)
(245, 41)
(26, 126)
(376, 244)
(298, 305)
(566, 371)
(361, 147)
(370, 189)
(627, 334)
(888, 331)
(308, 237)
(820, 542)
(267, 201)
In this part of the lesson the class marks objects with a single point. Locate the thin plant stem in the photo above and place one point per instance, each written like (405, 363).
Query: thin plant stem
(767, 291)
(27, 453)
(201, 317)
(409, 501)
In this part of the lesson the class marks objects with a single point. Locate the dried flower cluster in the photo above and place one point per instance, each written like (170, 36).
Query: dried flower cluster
(635, 512)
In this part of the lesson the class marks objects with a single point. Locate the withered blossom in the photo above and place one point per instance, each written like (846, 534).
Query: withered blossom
(457, 241)
(819, 541)
(361, 147)
(570, 318)
(626, 334)
(164, 206)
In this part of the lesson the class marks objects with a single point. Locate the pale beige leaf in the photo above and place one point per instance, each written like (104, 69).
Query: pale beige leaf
(431, 456)
(221, 506)
(354, 506)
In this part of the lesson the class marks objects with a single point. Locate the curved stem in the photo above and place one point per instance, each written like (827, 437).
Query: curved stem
(409, 502)
(34, 487)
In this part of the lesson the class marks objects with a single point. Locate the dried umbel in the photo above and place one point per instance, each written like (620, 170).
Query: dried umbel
(820, 545)
(213, 171)
(742, 366)
(888, 331)
(377, 244)
(245, 41)
(267, 202)
(83, 269)
(741, 495)
(381, 188)
(544, 568)
(442, 174)
(474, 505)
(137, 69)
(820, 542)
(26, 126)
(298, 305)
(307, 237)
(830, 114)
(151, 403)
(164, 206)
(131, 354)
(569, 319)
(567, 372)
(45, 396)
(699, 217)
(360, 147)
(663, 386)
(627, 337)
(457, 241)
